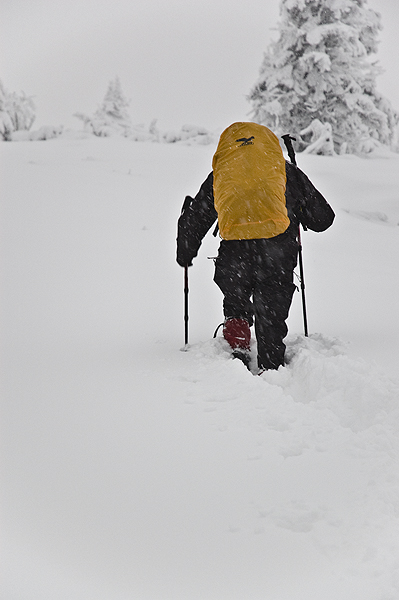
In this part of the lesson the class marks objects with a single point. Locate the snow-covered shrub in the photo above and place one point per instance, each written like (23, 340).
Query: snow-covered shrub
(6, 126)
(321, 141)
(98, 127)
(46, 132)
(189, 134)
(17, 112)
(21, 109)
(142, 133)
(320, 68)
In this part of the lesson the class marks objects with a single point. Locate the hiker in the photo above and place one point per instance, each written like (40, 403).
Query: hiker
(259, 199)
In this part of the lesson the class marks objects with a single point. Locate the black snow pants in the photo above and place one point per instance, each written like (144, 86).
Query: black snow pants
(261, 269)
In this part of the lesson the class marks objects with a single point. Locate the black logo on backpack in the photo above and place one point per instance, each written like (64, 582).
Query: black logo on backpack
(246, 141)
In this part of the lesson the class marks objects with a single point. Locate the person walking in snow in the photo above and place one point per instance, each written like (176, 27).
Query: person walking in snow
(259, 199)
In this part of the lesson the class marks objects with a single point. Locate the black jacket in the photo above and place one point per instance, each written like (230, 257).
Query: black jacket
(304, 204)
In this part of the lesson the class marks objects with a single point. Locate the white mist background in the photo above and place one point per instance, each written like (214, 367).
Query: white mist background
(180, 61)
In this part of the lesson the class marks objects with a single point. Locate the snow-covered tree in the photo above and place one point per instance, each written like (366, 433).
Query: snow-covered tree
(320, 68)
(17, 112)
(115, 103)
(112, 116)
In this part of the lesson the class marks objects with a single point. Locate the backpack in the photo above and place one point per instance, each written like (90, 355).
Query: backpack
(249, 183)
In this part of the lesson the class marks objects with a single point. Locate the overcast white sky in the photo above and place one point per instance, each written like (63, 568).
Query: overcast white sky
(181, 61)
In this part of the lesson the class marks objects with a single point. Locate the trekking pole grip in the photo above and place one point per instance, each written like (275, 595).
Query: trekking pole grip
(288, 139)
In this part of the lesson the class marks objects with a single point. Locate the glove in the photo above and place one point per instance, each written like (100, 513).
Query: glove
(185, 254)
(183, 262)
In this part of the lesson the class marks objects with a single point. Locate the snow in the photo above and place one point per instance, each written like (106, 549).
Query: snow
(132, 470)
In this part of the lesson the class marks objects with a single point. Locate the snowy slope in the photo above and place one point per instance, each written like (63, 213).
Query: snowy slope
(134, 471)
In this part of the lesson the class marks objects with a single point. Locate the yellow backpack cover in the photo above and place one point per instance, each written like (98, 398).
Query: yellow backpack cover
(249, 183)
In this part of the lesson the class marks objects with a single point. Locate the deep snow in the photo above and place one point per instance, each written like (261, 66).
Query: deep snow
(135, 471)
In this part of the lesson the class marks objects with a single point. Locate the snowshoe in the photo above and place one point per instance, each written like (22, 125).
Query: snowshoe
(244, 356)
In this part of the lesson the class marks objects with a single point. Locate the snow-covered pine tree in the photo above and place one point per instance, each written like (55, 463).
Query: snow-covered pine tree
(320, 68)
(112, 116)
(115, 105)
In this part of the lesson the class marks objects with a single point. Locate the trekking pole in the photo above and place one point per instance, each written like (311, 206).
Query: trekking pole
(185, 307)
(291, 153)
(302, 276)
(186, 204)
